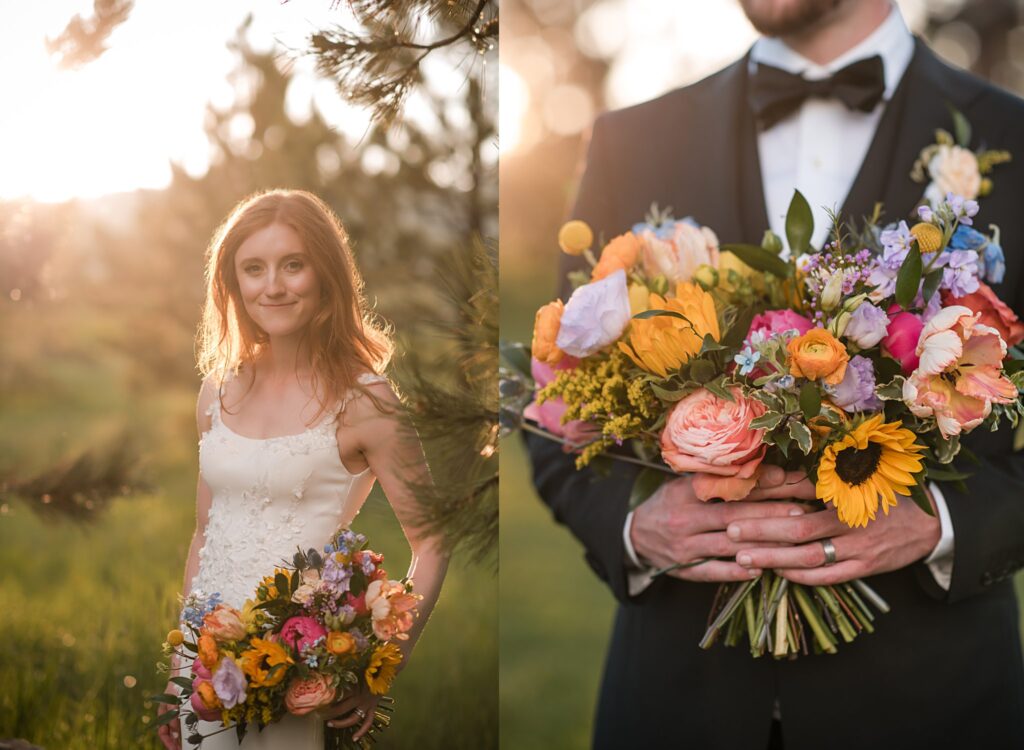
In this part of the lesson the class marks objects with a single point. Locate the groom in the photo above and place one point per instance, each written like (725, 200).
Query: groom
(944, 668)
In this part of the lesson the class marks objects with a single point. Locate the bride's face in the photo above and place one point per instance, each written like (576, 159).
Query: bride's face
(279, 287)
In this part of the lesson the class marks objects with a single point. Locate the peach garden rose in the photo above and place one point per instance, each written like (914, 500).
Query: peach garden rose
(711, 436)
(309, 694)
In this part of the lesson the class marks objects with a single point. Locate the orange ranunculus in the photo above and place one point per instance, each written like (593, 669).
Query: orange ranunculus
(664, 343)
(545, 330)
(621, 252)
(259, 661)
(339, 643)
(209, 654)
(224, 623)
(818, 354)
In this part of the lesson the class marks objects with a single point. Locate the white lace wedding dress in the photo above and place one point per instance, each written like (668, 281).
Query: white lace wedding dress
(269, 497)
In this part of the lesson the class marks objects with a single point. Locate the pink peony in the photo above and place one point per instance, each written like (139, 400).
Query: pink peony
(712, 436)
(300, 632)
(308, 694)
(549, 414)
(224, 623)
(901, 340)
(774, 322)
(960, 372)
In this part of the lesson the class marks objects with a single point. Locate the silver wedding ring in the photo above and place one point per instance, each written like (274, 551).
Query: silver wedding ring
(830, 551)
(359, 712)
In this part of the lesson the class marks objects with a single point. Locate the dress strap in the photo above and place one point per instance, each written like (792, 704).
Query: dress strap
(369, 378)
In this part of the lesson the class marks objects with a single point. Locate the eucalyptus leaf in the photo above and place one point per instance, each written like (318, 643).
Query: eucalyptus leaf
(166, 718)
(799, 224)
(801, 434)
(760, 259)
(909, 278)
(645, 485)
(810, 401)
(182, 682)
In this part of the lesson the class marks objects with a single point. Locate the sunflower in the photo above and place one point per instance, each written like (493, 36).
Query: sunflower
(383, 667)
(875, 460)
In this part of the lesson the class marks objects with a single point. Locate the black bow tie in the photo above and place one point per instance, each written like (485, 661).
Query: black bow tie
(775, 93)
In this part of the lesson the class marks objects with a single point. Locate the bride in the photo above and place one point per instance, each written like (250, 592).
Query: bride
(295, 424)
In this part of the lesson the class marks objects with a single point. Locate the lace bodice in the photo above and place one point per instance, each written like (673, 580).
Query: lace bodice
(270, 496)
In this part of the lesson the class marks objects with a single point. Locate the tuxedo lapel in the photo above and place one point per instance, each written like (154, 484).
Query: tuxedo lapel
(929, 92)
(753, 212)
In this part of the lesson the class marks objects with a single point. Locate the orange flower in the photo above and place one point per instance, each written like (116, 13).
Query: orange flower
(818, 354)
(209, 654)
(621, 252)
(208, 695)
(259, 661)
(545, 330)
(339, 643)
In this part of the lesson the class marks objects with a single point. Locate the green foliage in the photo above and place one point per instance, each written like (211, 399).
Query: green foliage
(799, 224)
(908, 281)
(760, 259)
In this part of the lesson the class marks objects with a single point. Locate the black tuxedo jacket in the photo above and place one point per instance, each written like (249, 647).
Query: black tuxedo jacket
(943, 669)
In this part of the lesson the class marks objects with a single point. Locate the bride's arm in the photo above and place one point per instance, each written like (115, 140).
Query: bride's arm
(392, 449)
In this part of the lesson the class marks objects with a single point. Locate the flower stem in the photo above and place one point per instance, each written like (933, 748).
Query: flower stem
(804, 602)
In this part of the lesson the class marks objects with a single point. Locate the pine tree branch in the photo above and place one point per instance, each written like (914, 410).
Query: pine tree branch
(84, 39)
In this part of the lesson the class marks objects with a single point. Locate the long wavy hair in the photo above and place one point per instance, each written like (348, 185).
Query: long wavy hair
(345, 338)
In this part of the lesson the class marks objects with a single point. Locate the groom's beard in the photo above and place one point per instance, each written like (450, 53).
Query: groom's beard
(787, 17)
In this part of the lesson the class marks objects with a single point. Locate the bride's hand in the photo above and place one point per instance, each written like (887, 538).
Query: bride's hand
(354, 709)
(169, 733)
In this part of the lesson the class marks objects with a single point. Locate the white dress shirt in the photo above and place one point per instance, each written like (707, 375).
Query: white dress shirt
(805, 151)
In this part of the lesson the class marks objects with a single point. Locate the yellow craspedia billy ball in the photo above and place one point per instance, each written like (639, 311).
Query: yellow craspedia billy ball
(175, 638)
(575, 236)
(929, 237)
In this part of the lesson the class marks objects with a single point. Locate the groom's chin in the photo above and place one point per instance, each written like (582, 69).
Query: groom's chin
(788, 17)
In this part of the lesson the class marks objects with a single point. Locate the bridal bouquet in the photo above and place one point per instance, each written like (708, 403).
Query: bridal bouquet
(861, 365)
(313, 632)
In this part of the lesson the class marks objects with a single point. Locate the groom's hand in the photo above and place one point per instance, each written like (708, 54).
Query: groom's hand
(674, 526)
(904, 536)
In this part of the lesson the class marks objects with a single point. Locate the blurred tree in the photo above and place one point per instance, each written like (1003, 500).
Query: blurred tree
(84, 39)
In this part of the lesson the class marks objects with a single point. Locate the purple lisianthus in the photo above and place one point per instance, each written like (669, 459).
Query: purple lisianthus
(896, 243)
(867, 326)
(361, 640)
(229, 683)
(960, 275)
(962, 209)
(925, 213)
(856, 392)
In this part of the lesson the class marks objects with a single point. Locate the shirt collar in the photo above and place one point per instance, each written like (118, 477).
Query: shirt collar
(892, 41)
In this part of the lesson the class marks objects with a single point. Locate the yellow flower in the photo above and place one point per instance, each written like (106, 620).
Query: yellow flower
(929, 237)
(383, 667)
(818, 354)
(621, 252)
(259, 661)
(874, 462)
(729, 262)
(546, 323)
(664, 343)
(175, 638)
(575, 236)
(638, 294)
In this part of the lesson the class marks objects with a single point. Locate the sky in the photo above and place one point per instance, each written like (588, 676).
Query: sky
(116, 124)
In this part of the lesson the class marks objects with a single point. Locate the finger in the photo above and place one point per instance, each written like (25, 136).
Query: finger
(367, 723)
(847, 570)
(795, 530)
(716, 571)
(796, 485)
(717, 544)
(810, 555)
(718, 516)
(770, 476)
(351, 720)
